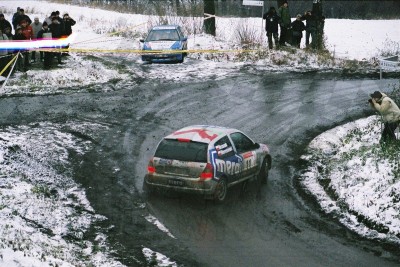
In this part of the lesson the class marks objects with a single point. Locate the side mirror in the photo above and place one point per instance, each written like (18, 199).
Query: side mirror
(141, 40)
(256, 146)
(184, 39)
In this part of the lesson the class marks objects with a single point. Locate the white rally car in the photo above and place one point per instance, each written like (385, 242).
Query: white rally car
(207, 160)
(164, 43)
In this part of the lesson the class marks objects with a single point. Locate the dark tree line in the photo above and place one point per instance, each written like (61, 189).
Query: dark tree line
(350, 9)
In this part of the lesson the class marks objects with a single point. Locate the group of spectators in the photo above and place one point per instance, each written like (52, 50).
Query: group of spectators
(25, 29)
(291, 32)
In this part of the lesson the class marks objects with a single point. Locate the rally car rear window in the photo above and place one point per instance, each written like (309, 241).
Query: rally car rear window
(184, 151)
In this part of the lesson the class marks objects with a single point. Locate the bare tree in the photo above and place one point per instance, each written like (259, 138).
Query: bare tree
(209, 20)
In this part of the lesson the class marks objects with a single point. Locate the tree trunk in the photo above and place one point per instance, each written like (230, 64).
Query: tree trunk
(317, 12)
(209, 23)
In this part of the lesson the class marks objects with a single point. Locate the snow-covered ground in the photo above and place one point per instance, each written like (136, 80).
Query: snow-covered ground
(356, 179)
(346, 174)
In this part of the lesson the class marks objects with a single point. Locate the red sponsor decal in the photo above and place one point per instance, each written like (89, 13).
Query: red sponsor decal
(203, 133)
(247, 155)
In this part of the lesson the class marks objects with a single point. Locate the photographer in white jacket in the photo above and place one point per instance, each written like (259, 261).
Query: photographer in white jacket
(390, 113)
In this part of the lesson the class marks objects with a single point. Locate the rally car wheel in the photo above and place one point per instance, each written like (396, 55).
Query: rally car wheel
(263, 175)
(221, 190)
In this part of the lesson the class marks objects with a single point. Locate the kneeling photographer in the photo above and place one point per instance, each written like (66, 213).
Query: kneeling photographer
(390, 113)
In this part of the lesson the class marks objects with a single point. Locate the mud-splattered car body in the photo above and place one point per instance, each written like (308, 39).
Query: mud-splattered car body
(207, 160)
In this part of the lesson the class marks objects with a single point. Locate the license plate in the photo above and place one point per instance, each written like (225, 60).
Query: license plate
(176, 182)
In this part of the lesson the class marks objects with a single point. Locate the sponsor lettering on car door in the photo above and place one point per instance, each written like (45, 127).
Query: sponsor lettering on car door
(244, 148)
(226, 162)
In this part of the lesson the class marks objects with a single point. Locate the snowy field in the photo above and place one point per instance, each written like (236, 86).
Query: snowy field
(39, 209)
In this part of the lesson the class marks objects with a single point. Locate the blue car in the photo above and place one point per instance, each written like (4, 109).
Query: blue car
(162, 42)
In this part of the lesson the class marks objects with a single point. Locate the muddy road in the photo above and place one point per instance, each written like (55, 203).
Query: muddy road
(275, 225)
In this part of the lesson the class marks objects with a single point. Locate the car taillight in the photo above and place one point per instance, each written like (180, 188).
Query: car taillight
(150, 168)
(207, 172)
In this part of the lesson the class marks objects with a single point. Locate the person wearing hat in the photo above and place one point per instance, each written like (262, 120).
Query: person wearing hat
(297, 31)
(389, 112)
(271, 26)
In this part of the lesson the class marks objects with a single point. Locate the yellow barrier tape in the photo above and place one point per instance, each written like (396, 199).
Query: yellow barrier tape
(8, 64)
(136, 51)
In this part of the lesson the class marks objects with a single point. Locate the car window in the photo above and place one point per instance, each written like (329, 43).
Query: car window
(184, 151)
(224, 147)
(242, 142)
(166, 35)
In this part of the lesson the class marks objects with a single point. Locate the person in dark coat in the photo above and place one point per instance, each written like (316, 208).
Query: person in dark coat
(14, 19)
(21, 60)
(4, 23)
(56, 31)
(297, 31)
(311, 27)
(271, 26)
(68, 23)
(22, 16)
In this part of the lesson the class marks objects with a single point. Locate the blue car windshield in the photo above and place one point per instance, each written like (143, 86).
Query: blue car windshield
(163, 35)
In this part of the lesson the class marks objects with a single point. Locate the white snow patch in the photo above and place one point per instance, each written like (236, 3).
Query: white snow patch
(151, 219)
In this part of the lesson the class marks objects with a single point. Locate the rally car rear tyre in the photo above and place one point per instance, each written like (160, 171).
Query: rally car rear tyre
(221, 190)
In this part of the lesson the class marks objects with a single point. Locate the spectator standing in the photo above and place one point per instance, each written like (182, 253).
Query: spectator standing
(36, 27)
(56, 31)
(45, 33)
(390, 113)
(284, 14)
(14, 19)
(297, 31)
(68, 23)
(271, 26)
(27, 31)
(4, 23)
(22, 16)
(49, 19)
(20, 61)
(311, 27)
